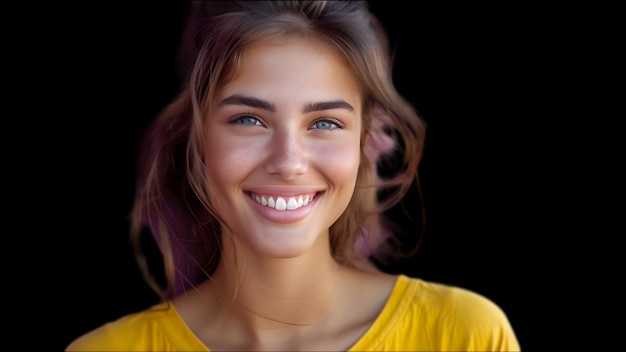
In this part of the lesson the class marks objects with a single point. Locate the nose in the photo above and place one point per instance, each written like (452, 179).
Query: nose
(287, 157)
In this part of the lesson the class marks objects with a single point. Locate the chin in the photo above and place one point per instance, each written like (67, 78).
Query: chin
(285, 244)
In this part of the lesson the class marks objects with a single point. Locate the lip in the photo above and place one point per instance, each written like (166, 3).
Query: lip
(283, 191)
(283, 216)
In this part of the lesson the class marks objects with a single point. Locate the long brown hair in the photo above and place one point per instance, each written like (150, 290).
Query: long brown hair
(172, 201)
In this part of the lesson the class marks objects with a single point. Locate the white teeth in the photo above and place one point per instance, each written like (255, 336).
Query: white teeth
(280, 203)
(292, 204)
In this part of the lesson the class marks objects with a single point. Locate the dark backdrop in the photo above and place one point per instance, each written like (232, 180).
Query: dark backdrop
(471, 71)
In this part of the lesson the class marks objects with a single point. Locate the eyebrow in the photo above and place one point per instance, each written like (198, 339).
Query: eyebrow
(238, 99)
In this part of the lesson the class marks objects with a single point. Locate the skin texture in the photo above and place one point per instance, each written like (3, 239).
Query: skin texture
(287, 151)
(288, 292)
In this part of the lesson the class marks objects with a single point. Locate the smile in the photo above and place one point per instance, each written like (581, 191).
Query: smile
(283, 203)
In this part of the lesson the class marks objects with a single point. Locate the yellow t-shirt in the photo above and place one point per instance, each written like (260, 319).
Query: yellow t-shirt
(419, 316)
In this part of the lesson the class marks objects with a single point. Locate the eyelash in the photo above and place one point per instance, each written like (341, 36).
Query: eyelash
(240, 118)
(335, 122)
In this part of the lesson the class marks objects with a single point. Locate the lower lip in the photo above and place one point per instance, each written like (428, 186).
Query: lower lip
(283, 216)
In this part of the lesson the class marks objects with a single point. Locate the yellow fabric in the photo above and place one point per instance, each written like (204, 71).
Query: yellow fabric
(159, 328)
(426, 316)
(419, 315)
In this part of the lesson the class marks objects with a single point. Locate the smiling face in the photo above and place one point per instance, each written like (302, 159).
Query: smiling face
(282, 147)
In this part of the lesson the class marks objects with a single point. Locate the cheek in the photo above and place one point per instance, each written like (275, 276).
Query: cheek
(339, 162)
(226, 161)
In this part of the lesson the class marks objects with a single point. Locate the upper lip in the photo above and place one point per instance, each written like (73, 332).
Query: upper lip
(282, 191)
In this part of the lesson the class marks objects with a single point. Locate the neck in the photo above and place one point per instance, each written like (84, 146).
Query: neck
(279, 292)
(270, 303)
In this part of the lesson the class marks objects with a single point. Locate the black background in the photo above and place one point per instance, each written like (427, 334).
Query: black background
(481, 77)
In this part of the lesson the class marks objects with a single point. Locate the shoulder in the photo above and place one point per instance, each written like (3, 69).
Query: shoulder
(452, 302)
(430, 315)
(461, 318)
(153, 328)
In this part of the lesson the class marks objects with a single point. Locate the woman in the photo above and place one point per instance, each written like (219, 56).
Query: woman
(259, 183)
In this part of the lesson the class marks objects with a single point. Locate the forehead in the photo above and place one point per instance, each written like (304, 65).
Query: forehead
(291, 67)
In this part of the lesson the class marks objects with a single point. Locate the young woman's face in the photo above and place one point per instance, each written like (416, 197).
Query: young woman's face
(282, 147)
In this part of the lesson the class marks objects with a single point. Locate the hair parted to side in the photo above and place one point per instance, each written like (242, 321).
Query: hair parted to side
(172, 196)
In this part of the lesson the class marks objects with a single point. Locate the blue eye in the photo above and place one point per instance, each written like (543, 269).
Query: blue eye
(248, 120)
(326, 124)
